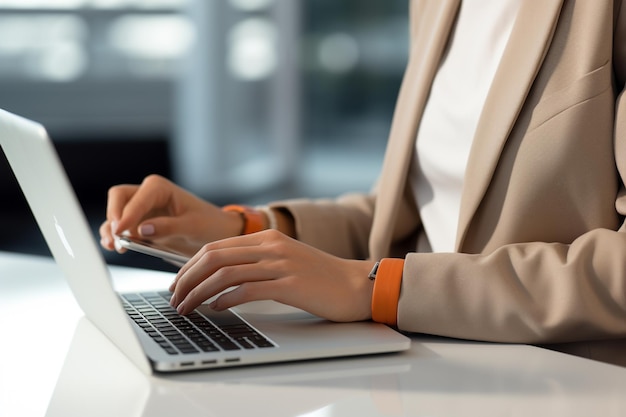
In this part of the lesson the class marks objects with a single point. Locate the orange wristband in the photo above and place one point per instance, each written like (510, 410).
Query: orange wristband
(253, 220)
(387, 291)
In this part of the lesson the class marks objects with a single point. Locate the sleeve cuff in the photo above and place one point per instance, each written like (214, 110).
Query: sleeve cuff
(271, 216)
(387, 291)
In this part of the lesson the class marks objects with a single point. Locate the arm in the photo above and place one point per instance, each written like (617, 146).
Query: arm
(338, 226)
(528, 293)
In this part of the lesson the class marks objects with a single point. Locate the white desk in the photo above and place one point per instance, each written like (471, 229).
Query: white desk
(65, 367)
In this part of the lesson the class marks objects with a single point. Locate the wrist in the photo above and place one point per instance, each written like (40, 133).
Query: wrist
(252, 220)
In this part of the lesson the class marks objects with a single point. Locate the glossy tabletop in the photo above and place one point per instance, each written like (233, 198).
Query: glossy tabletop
(55, 363)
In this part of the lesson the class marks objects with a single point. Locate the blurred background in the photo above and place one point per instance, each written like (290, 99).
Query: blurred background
(240, 101)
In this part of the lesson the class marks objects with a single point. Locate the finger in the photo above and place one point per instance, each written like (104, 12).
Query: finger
(106, 238)
(248, 292)
(205, 264)
(223, 279)
(117, 198)
(137, 203)
(210, 255)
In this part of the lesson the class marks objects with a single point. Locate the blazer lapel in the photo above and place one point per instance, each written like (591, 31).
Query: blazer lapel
(431, 22)
(521, 60)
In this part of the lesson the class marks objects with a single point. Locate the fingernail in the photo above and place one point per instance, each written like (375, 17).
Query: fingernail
(173, 300)
(181, 308)
(146, 229)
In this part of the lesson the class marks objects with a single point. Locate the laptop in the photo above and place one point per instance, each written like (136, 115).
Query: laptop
(256, 333)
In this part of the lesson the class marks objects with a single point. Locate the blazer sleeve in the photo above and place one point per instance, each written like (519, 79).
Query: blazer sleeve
(520, 293)
(338, 226)
(529, 292)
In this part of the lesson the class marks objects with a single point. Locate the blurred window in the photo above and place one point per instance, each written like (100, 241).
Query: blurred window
(67, 40)
(92, 68)
(112, 69)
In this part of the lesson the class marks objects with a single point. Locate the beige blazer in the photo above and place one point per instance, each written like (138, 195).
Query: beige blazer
(541, 244)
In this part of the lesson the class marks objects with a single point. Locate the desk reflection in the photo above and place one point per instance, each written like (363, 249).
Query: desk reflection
(97, 379)
(437, 377)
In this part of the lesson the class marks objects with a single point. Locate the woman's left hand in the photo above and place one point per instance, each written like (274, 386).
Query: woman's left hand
(272, 266)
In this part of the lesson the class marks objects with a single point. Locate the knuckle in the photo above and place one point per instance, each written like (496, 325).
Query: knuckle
(114, 190)
(193, 296)
(182, 286)
(267, 235)
(272, 233)
(272, 236)
(152, 178)
(208, 247)
(207, 256)
(281, 251)
(225, 273)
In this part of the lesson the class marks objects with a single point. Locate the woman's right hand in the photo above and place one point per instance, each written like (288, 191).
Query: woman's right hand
(166, 214)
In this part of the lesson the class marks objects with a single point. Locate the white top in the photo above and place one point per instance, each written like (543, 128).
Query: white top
(457, 97)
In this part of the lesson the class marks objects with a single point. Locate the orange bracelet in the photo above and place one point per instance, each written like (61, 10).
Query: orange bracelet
(387, 291)
(253, 220)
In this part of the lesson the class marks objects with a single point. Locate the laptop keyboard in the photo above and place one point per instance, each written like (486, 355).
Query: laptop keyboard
(193, 333)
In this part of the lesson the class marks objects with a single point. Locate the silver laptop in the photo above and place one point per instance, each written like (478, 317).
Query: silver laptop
(163, 341)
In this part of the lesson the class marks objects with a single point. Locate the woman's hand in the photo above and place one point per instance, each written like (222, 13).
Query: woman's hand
(272, 266)
(167, 215)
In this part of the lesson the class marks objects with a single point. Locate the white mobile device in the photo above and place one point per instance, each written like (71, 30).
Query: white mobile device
(148, 248)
